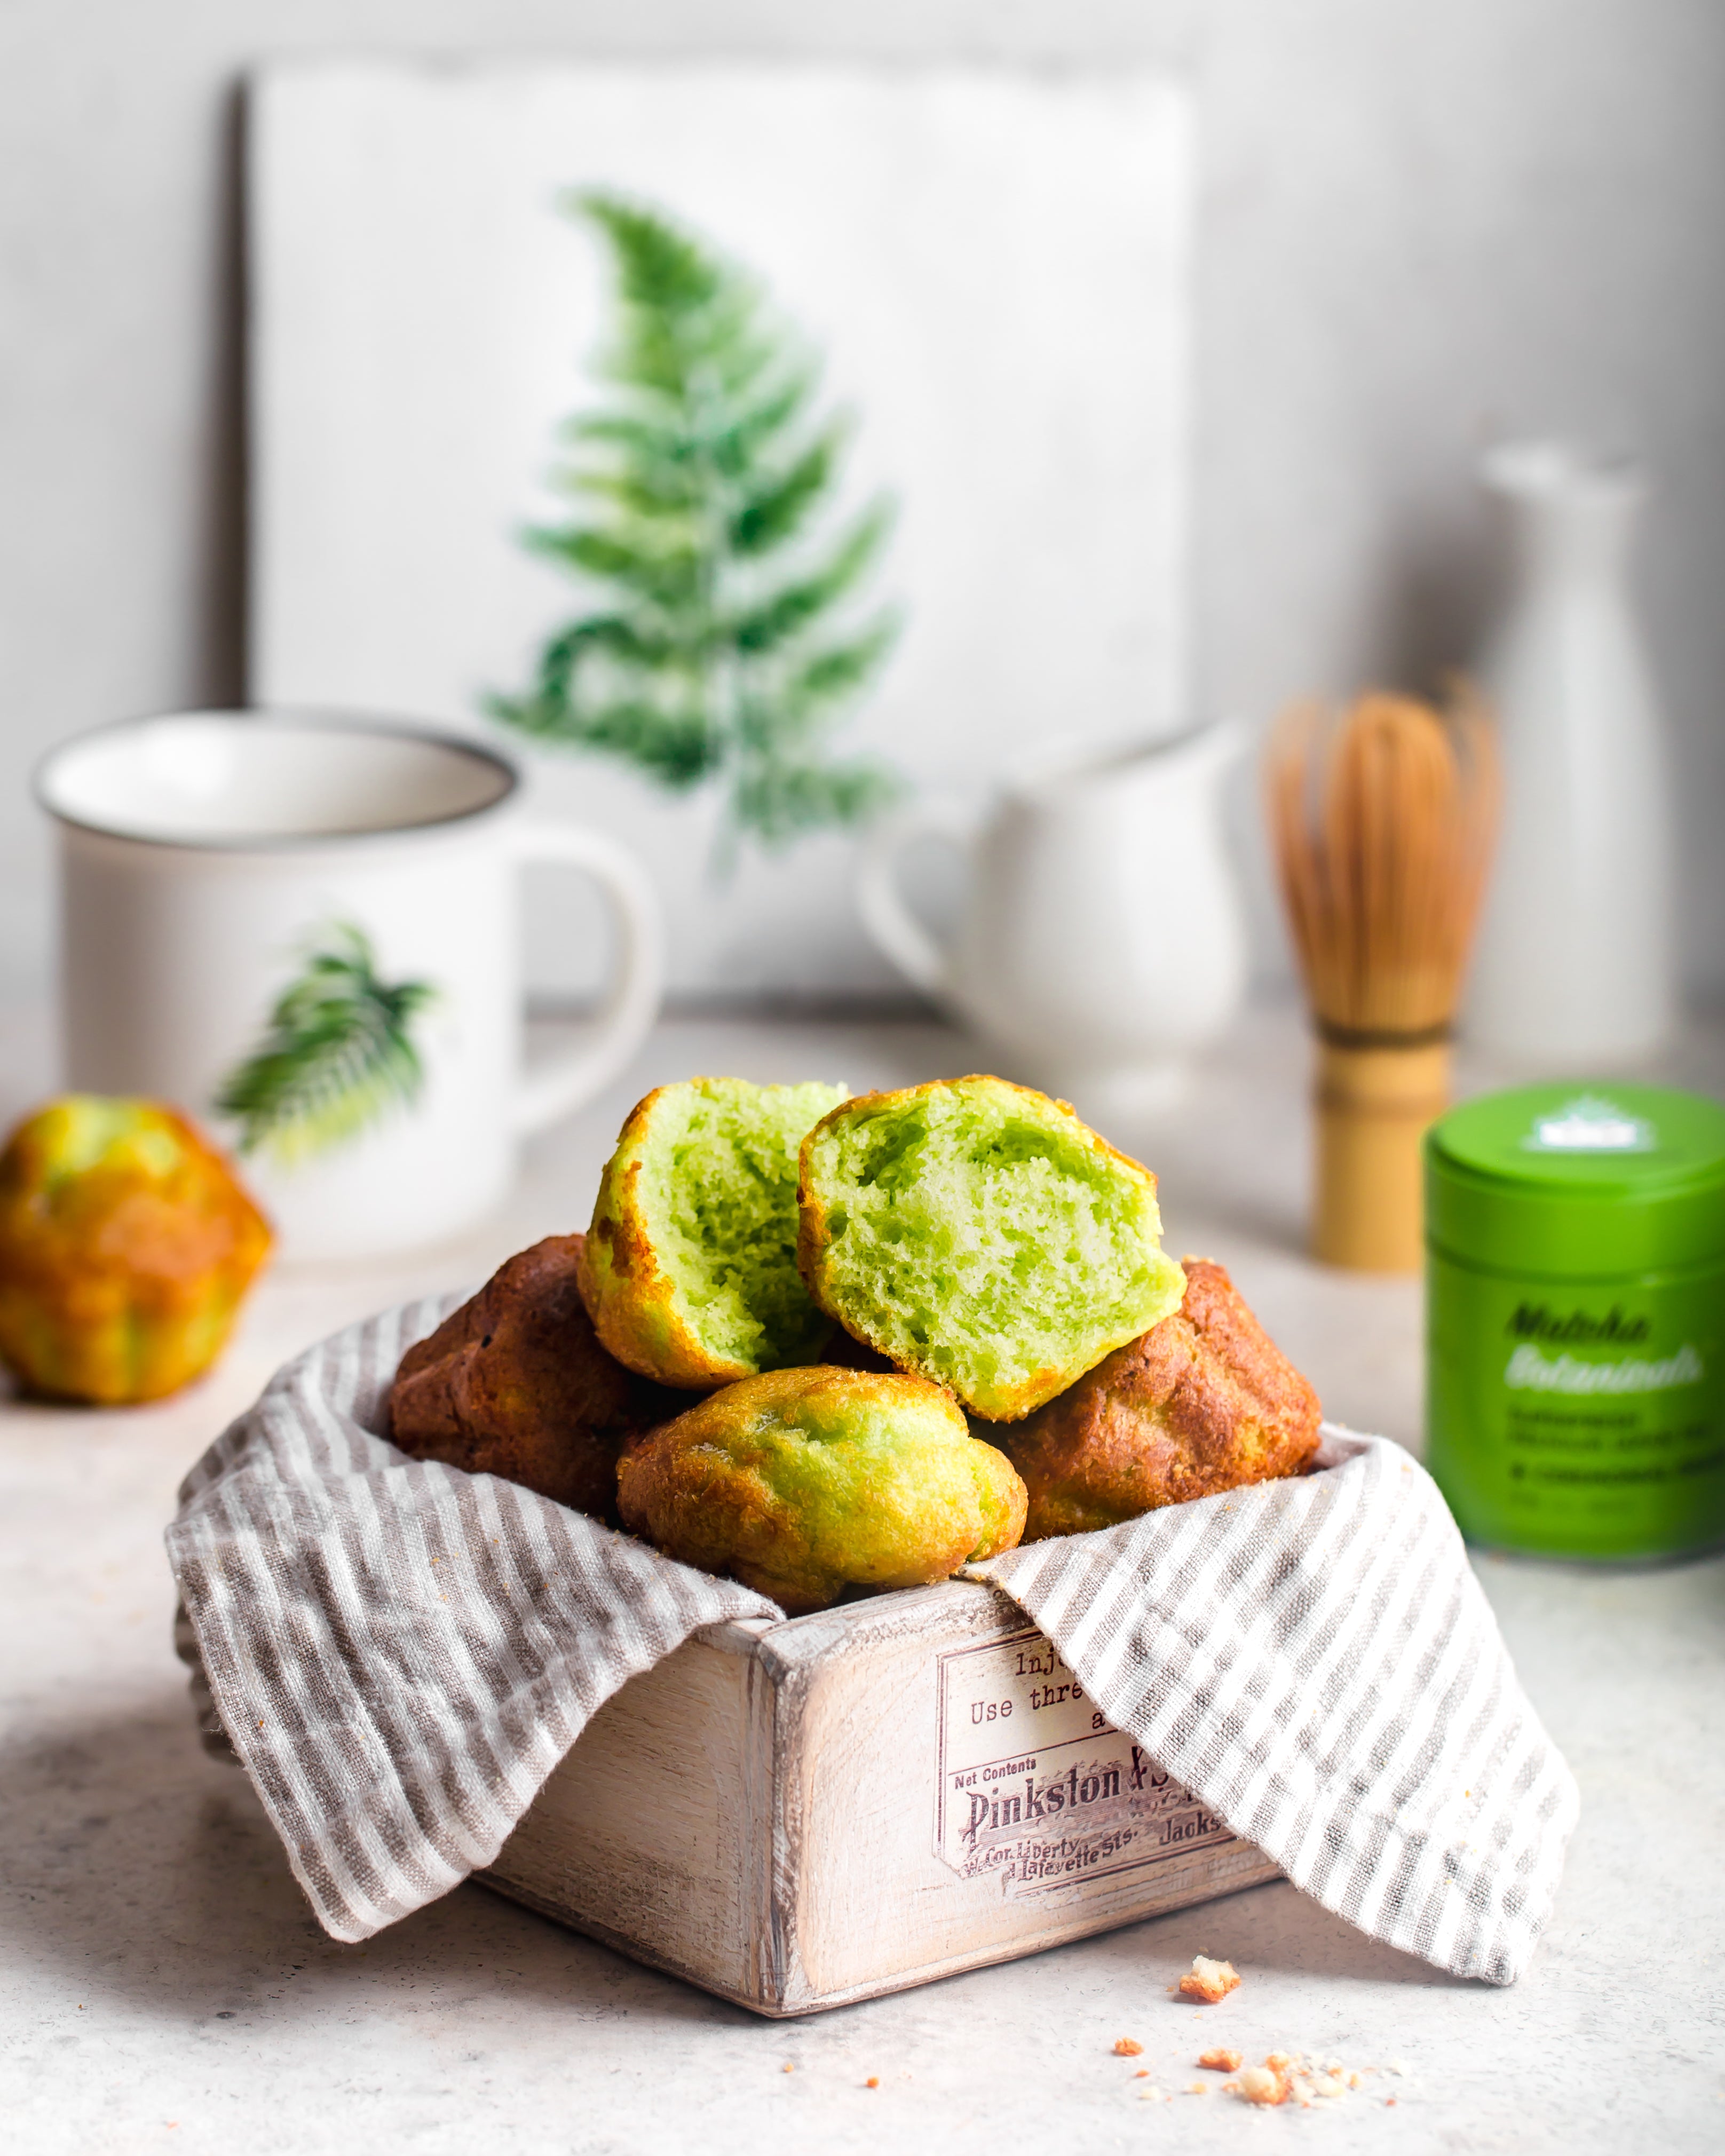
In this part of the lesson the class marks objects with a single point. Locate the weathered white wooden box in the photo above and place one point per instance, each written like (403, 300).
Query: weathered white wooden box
(796, 1815)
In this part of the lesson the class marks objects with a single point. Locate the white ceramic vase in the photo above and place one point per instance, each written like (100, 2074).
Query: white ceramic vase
(1576, 963)
(1102, 940)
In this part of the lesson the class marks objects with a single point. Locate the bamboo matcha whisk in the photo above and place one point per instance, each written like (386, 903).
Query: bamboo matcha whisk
(1382, 820)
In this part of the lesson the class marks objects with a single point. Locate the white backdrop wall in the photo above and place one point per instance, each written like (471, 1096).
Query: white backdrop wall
(1420, 228)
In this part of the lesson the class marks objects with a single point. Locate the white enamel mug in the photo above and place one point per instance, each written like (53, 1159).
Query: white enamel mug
(304, 929)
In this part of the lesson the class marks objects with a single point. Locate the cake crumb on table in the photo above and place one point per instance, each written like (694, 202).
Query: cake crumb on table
(1221, 2061)
(1208, 1980)
(1290, 2078)
(1263, 2085)
(1126, 2047)
(873, 2082)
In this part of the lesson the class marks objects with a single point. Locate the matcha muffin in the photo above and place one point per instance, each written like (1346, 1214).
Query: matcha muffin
(515, 1383)
(979, 1235)
(1205, 1401)
(690, 1267)
(801, 1483)
(127, 1244)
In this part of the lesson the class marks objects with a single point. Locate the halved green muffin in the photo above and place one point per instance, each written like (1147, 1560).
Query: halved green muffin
(980, 1234)
(690, 1268)
(803, 1482)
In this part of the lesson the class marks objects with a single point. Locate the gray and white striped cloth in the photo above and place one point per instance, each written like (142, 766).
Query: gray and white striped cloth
(1315, 1660)
(400, 1653)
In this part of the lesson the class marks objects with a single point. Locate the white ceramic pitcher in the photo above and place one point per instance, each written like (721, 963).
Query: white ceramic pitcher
(1101, 940)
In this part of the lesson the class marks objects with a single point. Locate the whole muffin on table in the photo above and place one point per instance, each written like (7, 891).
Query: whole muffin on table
(127, 1244)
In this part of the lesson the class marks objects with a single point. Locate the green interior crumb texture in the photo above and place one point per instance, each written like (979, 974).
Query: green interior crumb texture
(719, 1187)
(985, 1237)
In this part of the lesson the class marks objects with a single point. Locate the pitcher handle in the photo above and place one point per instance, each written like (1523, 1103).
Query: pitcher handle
(569, 1081)
(899, 934)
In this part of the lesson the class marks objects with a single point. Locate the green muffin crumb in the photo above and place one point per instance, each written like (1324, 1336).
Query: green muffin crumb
(980, 1234)
(691, 1270)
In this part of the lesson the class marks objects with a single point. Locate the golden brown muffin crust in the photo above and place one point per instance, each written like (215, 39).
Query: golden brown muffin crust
(121, 1273)
(1202, 1402)
(798, 1482)
(515, 1383)
(632, 1304)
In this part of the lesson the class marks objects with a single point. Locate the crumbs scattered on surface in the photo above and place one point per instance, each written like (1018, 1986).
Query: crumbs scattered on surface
(1208, 1980)
(873, 2082)
(787, 2070)
(1128, 2047)
(1292, 2077)
(1221, 2061)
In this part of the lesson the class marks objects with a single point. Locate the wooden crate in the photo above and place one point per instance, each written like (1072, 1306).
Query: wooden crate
(799, 1814)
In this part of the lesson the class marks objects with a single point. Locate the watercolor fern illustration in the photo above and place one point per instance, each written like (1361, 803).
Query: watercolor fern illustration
(337, 1056)
(728, 640)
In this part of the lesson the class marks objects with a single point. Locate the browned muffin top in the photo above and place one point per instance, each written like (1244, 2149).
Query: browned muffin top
(515, 1383)
(1202, 1402)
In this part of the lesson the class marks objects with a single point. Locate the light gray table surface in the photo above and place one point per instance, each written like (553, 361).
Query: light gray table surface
(163, 1985)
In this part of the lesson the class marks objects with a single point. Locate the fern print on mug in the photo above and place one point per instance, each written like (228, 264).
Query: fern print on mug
(303, 930)
(339, 1053)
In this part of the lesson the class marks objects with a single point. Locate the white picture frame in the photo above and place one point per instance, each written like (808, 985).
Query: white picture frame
(996, 264)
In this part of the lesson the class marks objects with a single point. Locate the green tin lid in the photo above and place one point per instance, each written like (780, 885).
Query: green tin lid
(1580, 1181)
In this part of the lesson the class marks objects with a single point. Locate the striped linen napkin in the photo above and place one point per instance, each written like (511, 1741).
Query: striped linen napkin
(1315, 1660)
(400, 1653)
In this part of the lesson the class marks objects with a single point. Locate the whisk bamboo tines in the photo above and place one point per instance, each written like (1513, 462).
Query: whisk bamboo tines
(1382, 820)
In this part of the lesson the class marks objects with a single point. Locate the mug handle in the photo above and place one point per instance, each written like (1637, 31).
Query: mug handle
(569, 1081)
(896, 930)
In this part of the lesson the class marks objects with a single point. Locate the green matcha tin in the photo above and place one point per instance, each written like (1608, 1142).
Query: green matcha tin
(1575, 1312)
